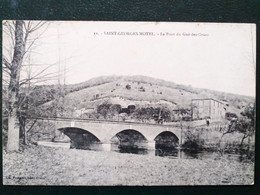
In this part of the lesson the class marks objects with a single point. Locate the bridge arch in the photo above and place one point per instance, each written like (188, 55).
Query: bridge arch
(166, 139)
(128, 135)
(80, 138)
(129, 141)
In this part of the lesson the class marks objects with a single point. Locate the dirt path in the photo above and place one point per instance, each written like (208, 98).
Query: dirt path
(59, 166)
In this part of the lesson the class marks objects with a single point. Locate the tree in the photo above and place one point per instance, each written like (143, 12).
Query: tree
(231, 116)
(162, 114)
(15, 54)
(184, 114)
(247, 124)
(13, 88)
(244, 125)
(115, 109)
(131, 108)
(104, 109)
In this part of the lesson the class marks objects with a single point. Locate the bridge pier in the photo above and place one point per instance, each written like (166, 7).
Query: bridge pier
(106, 146)
(151, 145)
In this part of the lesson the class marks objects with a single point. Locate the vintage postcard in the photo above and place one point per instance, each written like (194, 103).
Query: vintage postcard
(128, 103)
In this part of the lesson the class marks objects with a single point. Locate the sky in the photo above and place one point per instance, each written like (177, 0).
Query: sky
(217, 56)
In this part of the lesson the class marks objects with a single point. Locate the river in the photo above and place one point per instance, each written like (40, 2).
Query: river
(171, 152)
(168, 152)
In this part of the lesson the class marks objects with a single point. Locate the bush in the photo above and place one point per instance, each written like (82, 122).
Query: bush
(193, 140)
(230, 115)
(142, 89)
(128, 86)
(186, 118)
(103, 109)
(115, 109)
(131, 108)
(125, 110)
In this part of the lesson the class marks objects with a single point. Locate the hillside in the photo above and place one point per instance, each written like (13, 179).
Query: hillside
(140, 91)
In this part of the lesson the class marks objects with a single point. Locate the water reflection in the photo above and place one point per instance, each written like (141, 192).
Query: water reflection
(174, 152)
(162, 151)
(143, 149)
(165, 151)
(131, 149)
(89, 146)
(177, 153)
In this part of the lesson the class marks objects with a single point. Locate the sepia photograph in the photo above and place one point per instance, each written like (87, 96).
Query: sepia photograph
(92, 103)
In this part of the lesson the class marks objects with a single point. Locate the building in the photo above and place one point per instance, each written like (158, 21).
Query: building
(207, 109)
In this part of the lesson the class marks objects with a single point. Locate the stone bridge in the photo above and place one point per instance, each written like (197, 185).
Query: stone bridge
(105, 131)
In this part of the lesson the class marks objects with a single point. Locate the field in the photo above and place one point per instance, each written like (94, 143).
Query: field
(38, 165)
(142, 91)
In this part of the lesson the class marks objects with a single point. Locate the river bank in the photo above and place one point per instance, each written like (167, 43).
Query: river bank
(39, 165)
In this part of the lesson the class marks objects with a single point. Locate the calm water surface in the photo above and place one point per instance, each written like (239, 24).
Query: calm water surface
(169, 152)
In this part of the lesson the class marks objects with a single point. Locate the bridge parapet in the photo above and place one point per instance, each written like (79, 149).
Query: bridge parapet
(174, 124)
(171, 124)
(106, 130)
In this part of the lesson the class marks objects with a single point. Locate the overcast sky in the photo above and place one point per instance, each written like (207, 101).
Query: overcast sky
(221, 57)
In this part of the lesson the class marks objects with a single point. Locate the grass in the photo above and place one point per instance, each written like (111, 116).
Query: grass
(38, 165)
